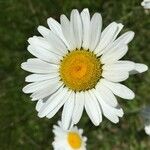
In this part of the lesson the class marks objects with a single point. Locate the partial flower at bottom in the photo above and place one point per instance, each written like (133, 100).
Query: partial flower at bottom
(71, 139)
(78, 67)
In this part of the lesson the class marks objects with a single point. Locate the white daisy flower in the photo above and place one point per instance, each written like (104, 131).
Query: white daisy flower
(71, 139)
(79, 66)
(146, 4)
(146, 117)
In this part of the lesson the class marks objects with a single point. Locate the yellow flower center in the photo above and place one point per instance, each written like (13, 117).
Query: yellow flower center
(74, 140)
(80, 70)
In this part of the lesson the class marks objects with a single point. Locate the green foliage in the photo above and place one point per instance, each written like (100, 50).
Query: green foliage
(20, 128)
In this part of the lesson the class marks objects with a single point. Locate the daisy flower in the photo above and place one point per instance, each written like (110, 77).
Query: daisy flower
(71, 139)
(78, 66)
(146, 4)
(146, 117)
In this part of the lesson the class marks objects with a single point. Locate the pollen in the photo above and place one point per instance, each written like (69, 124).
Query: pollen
(80, 70)
(74, 140)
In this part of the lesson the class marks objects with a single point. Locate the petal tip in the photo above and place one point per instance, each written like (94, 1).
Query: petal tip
(40, 115)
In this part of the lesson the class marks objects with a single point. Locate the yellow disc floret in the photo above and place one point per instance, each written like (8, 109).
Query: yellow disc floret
(74, 140)
(80, 70)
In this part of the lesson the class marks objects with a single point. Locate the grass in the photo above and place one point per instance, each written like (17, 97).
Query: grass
(20, 128)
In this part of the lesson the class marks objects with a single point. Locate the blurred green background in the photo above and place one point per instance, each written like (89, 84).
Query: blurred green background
(20, 128)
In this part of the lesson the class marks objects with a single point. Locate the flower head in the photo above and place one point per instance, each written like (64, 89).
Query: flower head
(71, 139)
(79, 66)
(146, 4)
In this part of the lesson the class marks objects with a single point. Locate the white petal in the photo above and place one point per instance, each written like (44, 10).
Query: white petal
(77, 27)
(119, 66)
(39, 104)
(56, 109)
(56, 28)
(97, 106)
(118, 111)
(125, 38)
(91, 109)
(109, 112)
(85, 15)
(115, 76)
(78, 109)
(59, 97)
(54, 40)
(40, 42)
(114, 54)
(44, 54)
(119, 28)
(119, 89)
(68, 32)
(45, 32)
(57, 130)
(41, 77)
(95, 30)
(38, 66)
(108, 36)
(106, 95)
(139, 68)
(122, 40)
(32, 87)
(46, 91)
(68, 111)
